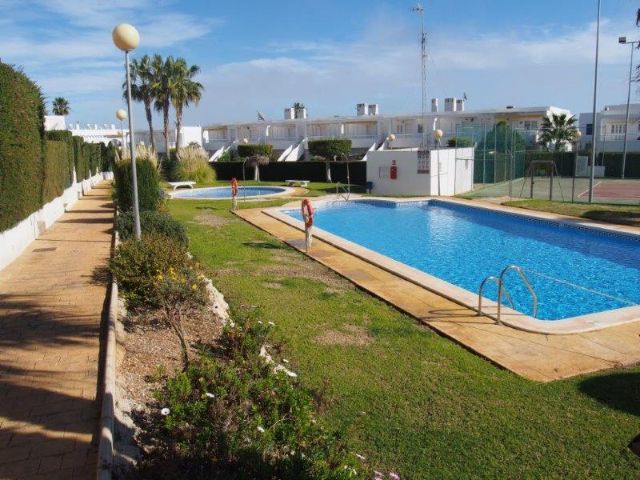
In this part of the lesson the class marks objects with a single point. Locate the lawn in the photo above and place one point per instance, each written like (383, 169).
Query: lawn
(410, 400)
(623, 214)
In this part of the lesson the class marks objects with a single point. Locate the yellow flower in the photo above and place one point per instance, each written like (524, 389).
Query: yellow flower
(194, 287)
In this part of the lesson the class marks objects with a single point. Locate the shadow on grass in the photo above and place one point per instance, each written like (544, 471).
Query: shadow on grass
(264, 245)
(620, 391)
(612, 216)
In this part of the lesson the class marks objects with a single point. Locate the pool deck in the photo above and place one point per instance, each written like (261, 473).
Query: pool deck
(534, 356)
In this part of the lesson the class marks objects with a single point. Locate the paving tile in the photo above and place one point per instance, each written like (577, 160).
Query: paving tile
(50, 317)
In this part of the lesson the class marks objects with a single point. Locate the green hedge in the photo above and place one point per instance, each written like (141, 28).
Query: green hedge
(259, 149)
(330, 148)
(79, 159)
(460, 142)
(55, 170)
(281, 171)
(67, 137)
(612, 162)
(149, 192)
(107, 157)
(21, 146)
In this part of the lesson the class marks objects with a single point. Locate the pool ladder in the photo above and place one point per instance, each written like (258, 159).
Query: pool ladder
(343, 191)
(502, 291)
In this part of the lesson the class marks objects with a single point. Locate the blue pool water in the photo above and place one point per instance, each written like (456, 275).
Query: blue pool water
(462, 245)
(225, 192)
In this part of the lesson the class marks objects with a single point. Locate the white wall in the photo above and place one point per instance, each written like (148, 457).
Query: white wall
(54, 122)
(456, 176)
(15, 240)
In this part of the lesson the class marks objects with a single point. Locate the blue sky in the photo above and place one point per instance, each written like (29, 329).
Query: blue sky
(259, 55)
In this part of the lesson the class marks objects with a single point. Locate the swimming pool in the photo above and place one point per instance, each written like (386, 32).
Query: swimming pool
(575, 271)
(225, 192)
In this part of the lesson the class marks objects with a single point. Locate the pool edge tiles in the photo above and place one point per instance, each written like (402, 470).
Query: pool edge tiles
(578, 324)
(190, 194)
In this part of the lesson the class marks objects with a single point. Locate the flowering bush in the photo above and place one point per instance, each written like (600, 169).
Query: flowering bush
(152, 222)
(232, 415)
(147, 269)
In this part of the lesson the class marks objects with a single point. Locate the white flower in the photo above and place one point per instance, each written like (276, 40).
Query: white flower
(272, 324)
(361, 457)
(260, 429)
(165, 411)
(394, 476)
(284, 360)
(260, 322)
(210, 395)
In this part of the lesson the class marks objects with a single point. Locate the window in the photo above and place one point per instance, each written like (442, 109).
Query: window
(617, 128)
(424, 161)
(531, 125)
(420, 129)
(589, 129)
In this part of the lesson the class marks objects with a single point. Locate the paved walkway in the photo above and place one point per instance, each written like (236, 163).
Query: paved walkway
(51, 302)
(532, 355)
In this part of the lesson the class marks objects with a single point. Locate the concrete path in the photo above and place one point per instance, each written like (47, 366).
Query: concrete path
(51, 303)
(532, 355)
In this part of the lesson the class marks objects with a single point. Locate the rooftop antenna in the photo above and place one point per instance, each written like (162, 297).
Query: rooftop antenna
(419, 9)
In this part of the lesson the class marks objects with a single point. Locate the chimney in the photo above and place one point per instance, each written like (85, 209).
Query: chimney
(460, 105)
(362, 109)
(434, 104)
(450, 104)
(374, 109)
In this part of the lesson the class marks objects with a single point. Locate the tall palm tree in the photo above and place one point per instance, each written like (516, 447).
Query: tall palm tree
(558, 131)
(60, 106)
(184, 90)
(161, 87)
(142, 89)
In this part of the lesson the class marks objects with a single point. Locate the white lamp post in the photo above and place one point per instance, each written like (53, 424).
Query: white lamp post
(121, 115)
(623, 41)
(127, 38)
(390, 138)
(437, 136)
(577, 137)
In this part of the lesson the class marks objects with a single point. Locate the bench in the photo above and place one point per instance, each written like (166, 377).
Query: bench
(177, 185)
(299, 183)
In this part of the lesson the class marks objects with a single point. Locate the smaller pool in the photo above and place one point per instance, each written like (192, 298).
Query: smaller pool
(225, 192)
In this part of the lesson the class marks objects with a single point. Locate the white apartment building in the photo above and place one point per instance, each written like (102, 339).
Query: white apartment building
(610, 125)
(369, 132)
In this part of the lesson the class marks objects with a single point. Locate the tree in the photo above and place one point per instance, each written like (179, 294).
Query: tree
(559, 130)
(161, 88)
(256, 161)
(184, 90)
(142, 78)
(60, 106)
(331, 150)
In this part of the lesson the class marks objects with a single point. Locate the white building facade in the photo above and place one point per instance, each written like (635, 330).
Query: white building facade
(610, 127)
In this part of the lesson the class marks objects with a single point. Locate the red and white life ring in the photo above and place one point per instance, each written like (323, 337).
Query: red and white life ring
(234, 187)
(307, 212)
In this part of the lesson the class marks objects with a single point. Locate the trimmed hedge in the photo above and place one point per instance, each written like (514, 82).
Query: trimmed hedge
(329, 148)
(152, 222)
(79, 159)
(67, 137)
(55, 170)
(107, 157)
(149, 192)
(460, 142)
(255, 149)
(612, 162)
(281, 171)
(21, 146)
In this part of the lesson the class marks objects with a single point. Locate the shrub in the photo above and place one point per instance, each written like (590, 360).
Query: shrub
(55, 170)
(108, 155)
(251, 150)
(81, 162)
(91, 151)
(330, 148)
(460, 142)
(149, 192)
(152, 222)
(67, 137)
(229, 156)
(236, 417)
(140, 267)
(143, 152)
(21, 146)
(193, 164)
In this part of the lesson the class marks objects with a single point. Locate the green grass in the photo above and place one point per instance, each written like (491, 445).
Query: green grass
(623, 214)
(410, 400)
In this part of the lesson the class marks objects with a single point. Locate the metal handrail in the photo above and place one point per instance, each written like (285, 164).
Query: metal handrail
(527, 284)
(497, 282)
(344, 192)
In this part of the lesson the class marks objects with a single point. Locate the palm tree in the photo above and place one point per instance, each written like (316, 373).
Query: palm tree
(558, 130)
(161, 88)
(142, 89)
(184, 90)
(60, 106)
(256, 161)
